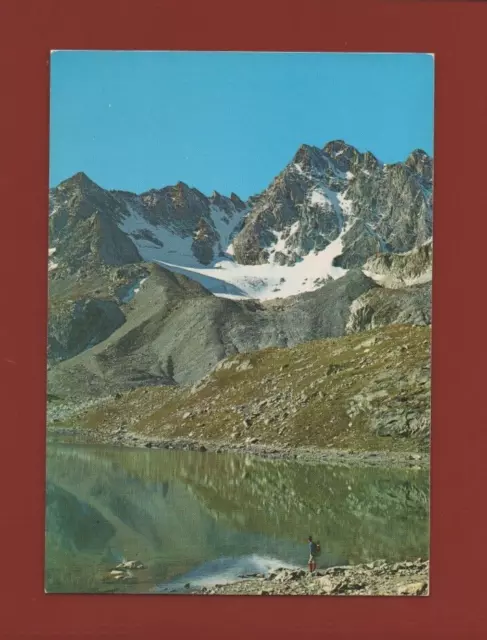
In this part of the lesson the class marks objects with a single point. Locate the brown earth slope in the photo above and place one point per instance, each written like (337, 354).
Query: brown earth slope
(368, 392)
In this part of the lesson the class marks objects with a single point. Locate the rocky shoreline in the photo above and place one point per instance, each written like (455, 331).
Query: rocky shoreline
(309, 455)
(373, 579)
(379, 578)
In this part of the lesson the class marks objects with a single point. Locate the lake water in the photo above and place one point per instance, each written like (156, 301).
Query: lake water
(204, 518)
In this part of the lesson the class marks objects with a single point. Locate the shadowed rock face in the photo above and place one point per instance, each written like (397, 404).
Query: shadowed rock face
(172, 319)
(204, 240)
(404, 296)
(394, 270)
(81, 324)
(86, 221)
(83, 227)
(381, 307)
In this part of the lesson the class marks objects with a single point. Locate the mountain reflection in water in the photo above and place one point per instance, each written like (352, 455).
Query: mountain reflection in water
(209, 518)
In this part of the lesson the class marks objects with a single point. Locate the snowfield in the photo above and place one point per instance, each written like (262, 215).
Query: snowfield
(157, 243)
(225, 277)
(228, 279)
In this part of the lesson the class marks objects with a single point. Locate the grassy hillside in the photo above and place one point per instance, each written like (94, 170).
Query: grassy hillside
(366, 391)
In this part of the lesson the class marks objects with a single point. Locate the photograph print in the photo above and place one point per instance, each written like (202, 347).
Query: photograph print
(240, 273)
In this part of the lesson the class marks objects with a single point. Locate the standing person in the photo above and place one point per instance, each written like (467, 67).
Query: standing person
(314, 551)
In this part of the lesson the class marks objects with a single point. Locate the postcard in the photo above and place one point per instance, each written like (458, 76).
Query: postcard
(240, 275)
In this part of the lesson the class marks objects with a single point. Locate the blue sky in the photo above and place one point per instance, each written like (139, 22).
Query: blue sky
(228, 121)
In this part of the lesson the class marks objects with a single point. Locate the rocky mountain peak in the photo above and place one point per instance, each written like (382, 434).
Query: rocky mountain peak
(370, 162)
(225, 203)
(78, 182)
(83, 227)
(217, 199)
(338, 193)
(420, 162)
(81, 197)
(178, 206)
(338, 147)
(78, 178)
(181, 191)
(309, 158)
(347, 158)
(418, 155)
(329, 210)
(239, 204)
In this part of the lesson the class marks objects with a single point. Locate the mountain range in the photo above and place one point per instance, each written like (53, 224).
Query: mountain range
(159, 287)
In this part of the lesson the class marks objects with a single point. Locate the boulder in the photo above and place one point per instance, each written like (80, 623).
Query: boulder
(326, 585)
(412, 589)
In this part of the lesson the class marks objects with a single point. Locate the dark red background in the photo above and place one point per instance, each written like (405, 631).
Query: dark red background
(456, 34)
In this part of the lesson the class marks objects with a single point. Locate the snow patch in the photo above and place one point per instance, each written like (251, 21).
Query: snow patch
(134, 224)
(282, 238)
(157, 243)
(345, 204)
(51, 251)
(319, 198)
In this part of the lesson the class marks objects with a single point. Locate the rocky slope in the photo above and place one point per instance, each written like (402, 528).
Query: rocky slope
(404, 292)
(380, 306)
(366, 392)
(175, 330)
(373, 579)
(84, 309)
(399, 270)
